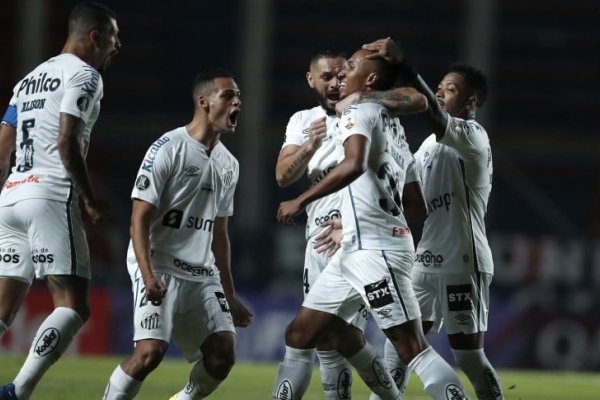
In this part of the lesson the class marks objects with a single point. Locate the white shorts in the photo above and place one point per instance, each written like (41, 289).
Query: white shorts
(314, 264)
(40, 237)
(380, 279)
(189, 313)
(459, 300)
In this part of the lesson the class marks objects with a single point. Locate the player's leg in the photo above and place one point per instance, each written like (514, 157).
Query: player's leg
(205, 334)
(152, 327)
(470, 295)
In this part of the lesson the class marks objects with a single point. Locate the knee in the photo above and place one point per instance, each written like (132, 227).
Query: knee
(295, 336)
(148, 357)
(219, 355)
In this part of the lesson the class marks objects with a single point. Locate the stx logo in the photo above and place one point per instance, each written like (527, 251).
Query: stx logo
(460, 297)
(47, 342)
(378, 294)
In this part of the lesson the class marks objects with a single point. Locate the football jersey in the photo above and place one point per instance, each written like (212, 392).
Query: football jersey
(63, 84)
(189, 186)
(372, 214)
(456, 173)
(322, 161)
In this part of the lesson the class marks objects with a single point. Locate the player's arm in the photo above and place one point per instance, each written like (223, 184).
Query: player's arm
(434, 116)
(71, 155)
(142, 214)
(293, 159)
(8, 138)
(400, 100)
(354, 164)
(413, 201)
(221, 249)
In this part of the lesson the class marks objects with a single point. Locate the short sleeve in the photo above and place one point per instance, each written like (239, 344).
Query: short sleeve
(293, 132)
(83, 92)
(356, 120)
(465, 136)
(229, 178)
(154, 173)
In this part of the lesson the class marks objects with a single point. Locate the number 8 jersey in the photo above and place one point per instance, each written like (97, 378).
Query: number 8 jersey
(372, 214)
(63, 84)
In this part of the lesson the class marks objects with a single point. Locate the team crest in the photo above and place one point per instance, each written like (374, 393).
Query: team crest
(227, 177)
(349, 123)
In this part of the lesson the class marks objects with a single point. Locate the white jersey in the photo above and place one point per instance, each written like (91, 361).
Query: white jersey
(189, 187)
(372, 215)
(63, 84)
(324, 160)
(457, 181)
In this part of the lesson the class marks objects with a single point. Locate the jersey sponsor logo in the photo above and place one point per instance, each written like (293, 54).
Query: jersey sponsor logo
(47, 342)
(383, 377)
(27, 179)
(428, 259)
(151, 154)
(284, 391)
(379, 294)
(462, 318)
(195, 270)
(83, 103)
(36, 104)
(227, 176)
(150, 321)
(454, 392)
(43, 83)
(9, 255)
(142, 182)
(443, 200)
(200, 224)
(324, 173)
(173, 219)
(384, 313)
(400, 231)
(344, 383)
(222, 302)
(191, 170)
(460, 297)
(91, 85)
(42, 258)
(331, 215)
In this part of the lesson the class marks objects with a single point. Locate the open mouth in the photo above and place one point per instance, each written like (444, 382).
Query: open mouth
(233, 116)
(333, 96)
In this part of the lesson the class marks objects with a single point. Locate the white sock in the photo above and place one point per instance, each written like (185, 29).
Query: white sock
(397, 368)
(438, 377)
(372, 371)
(121, 386)
(52, 338)
(336, 375)
(480, 372)
(294, 374)
(200, 385)
(3, 328)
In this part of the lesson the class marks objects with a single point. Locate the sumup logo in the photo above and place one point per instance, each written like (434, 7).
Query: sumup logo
(47, 342)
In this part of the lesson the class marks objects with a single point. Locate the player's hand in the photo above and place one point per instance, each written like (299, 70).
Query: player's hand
(341, 105)
(96, 209)
(317, 132)
(330, 239)
(288, 210)
(240, 314)
(155, 288)
(385, 49)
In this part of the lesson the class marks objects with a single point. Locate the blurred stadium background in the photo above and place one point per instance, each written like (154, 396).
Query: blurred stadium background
(542, 58)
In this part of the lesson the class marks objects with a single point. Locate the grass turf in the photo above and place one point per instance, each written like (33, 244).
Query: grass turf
(79, 378)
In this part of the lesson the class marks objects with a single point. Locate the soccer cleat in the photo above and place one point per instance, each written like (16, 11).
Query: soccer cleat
(7, 392)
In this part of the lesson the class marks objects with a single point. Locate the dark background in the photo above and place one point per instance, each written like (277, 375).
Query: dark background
(542, 58)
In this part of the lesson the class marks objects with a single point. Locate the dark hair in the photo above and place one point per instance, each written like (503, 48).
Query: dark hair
(324, 54)
(388, 73)
(90, 15)
(203, 81)
(475, 80)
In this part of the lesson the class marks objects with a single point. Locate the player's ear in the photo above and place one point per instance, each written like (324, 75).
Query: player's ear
(202, 103)
(310, 80)
(471, 103)
(372, 79)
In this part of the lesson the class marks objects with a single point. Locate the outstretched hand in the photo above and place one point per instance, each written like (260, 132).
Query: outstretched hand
(386, 49)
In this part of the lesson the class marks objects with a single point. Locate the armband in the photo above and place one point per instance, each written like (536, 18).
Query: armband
(10, 116)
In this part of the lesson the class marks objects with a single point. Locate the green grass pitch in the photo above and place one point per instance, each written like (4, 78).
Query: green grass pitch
(76, 378)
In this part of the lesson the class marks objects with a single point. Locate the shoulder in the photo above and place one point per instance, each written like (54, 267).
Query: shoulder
(226, 156)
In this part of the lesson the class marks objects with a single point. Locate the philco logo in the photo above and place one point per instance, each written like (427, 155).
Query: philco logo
(43, 83)
(151, 154)
(454, 392)
(47, 342)
(344, 383)
(284, 391)
(173, 219)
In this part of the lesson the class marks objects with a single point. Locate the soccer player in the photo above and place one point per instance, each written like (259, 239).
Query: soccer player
(48, 122)
(310, 146)
(179, 253)
(454, 267)
(377, 248)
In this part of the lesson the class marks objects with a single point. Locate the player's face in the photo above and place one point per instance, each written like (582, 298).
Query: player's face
(108, 44)
(323, 79)
(225, 104)
(453, 95)
(354, 74)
